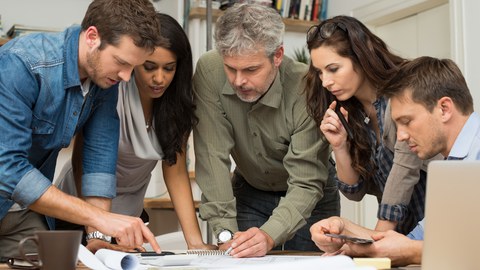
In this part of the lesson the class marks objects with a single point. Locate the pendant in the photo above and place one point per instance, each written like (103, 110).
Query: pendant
(366, 120)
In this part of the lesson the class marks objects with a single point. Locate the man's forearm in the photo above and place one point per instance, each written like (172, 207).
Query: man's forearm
(56, 203)
(102, 203)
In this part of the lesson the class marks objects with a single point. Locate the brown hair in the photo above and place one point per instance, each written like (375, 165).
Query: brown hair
(430, 79)
(117, 18)
(370, 56)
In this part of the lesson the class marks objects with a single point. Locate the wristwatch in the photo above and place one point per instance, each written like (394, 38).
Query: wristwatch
(224, 236)
(98, 235)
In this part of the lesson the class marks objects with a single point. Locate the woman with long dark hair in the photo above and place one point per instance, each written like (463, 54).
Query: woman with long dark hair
(349, 65)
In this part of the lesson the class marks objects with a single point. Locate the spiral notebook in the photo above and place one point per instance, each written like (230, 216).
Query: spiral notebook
(204, 252)
(178, 258)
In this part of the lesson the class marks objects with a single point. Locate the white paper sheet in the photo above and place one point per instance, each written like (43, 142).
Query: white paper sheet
(106, 259)
(113, 260)
(278, 263)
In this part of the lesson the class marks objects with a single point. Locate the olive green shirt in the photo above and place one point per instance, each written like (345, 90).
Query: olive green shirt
(275, 144)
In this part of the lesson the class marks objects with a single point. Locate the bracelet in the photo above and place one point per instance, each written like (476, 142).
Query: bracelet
(98, 235)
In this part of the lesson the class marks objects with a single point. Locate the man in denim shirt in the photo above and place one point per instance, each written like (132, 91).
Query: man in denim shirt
(51, 86)
(425, 90)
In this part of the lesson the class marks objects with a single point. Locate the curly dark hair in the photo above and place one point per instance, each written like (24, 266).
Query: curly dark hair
(174, 110)
(369, 55)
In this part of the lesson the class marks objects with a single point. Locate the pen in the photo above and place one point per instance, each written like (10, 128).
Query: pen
(344, 122)
(227, 252)
(153, 253)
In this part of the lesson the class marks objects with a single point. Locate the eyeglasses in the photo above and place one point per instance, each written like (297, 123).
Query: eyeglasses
(325, 31)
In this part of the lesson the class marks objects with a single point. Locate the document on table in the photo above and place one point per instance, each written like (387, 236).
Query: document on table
(110, 259)
(106, 259)
(276, 262)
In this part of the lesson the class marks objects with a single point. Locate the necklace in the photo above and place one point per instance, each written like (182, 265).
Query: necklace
(366, 120)
(148, 124)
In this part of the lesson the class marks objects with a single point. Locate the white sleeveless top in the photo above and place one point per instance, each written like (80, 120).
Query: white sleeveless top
(138, 152)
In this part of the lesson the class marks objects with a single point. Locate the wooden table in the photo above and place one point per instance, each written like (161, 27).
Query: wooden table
(162, 203)
(80, 266)
(273, 252)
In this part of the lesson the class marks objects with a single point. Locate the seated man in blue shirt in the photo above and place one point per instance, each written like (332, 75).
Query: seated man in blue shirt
(425, 90)
(52, 85)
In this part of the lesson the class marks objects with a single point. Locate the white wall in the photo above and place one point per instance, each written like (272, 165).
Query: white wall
(344, 7)
(468, 20)
(62, 13)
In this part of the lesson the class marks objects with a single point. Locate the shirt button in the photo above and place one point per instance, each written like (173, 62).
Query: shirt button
(75, 113)
(254, 134)
(266, 172)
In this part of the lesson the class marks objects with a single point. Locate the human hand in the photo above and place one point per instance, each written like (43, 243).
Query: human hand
(250, 243)
(332, 127)
(130, 232)
(330, 225)
(399, 248)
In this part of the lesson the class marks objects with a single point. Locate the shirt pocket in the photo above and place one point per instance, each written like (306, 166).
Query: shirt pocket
(42, 127)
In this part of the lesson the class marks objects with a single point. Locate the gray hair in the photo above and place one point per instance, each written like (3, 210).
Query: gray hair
(246, 28)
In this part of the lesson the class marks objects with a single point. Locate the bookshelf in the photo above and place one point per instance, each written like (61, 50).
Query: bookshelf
(290, 24)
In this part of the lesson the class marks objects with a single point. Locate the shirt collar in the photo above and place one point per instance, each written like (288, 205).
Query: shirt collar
(464, 140)
(70, 51)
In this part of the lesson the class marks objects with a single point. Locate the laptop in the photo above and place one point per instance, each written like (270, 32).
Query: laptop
(452, 218)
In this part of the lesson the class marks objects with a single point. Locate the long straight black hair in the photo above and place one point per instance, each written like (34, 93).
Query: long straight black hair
(174, 110)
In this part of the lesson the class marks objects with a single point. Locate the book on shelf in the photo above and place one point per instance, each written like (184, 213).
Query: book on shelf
(19, 30)
(305, 10)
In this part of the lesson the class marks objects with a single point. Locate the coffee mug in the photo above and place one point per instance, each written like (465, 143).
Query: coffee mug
(56, 249)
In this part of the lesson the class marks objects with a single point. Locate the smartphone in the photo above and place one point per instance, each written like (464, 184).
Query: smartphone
(350, 238)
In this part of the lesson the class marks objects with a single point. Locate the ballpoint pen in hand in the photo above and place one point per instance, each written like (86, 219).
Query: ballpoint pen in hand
(344, 121)
(227, 252)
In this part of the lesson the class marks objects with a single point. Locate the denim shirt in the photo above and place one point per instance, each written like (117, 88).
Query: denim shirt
(41, 108)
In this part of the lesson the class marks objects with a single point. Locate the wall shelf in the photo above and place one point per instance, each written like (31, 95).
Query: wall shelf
(290, 24)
